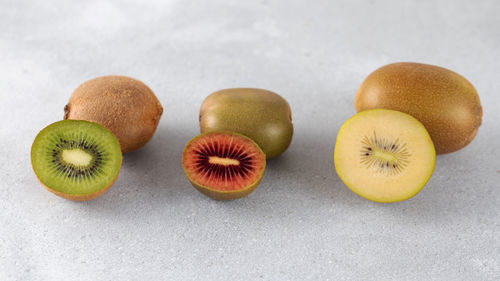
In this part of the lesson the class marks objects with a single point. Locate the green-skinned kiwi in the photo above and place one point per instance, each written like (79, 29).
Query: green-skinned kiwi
(223, 165)
(123, 105)
(261, 115)
(444, 101)
(77, 160)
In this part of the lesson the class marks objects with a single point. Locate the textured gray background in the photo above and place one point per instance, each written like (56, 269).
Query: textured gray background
(302, 223)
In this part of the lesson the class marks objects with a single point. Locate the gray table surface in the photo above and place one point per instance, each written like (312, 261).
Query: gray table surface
(302, 223)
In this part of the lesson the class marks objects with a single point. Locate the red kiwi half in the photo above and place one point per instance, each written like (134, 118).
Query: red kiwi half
(223, 165)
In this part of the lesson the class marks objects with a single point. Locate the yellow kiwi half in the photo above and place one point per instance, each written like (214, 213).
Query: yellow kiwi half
(384, 155)
(444, 101)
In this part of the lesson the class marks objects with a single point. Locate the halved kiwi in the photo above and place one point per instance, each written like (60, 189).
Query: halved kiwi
(223, 165)
(77, 160)
(384, 155)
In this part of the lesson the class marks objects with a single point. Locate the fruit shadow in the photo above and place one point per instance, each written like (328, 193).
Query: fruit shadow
(307, 170)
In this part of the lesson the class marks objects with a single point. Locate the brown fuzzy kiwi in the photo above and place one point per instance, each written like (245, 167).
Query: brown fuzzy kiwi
(261, 115)
(123, 105)
(444, 101)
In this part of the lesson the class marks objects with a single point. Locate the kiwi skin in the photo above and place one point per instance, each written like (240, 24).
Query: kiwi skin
(223, 195)
(123, 105)
(445, 102)
(263, 116)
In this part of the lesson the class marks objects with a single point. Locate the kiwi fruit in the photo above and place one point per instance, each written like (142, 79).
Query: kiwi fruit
(77, 160)
(444, 101)
(123, 105)
(261, 115)
(223, 165)
(384, 155)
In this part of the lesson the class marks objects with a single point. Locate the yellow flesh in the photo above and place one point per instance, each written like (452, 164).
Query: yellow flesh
(223, 161)
(372, 182)
(76, 157)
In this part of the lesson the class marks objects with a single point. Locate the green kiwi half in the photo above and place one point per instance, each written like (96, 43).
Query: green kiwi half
(77, 160)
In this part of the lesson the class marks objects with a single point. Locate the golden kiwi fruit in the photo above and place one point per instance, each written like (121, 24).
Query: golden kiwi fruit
(123, 105)
(384, 155)
(263, 116)
(445, 102)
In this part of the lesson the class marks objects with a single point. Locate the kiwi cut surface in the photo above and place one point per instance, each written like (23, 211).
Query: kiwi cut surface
(77, 160)
(223, 165)
(384, 155)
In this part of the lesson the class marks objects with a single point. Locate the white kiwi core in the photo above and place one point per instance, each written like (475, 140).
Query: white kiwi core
(77, 157)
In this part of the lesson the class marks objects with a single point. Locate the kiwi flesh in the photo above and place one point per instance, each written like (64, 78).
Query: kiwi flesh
(261, 115)
(123, 105)
(384, 155)
(76, 160)
(223, 165)
(445, 102)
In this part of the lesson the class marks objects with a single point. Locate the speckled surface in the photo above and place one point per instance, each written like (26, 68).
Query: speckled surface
(302, 223)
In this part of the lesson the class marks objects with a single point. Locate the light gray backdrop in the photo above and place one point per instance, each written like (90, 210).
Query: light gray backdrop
(302, 223)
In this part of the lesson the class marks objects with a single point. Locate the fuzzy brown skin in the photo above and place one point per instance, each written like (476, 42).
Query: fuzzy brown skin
(444, 101)
(123, 105)
(263, 116)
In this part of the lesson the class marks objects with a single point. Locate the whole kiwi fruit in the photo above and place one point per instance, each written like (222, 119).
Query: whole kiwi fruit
(263, 116)
(123, 105)
(444, 101)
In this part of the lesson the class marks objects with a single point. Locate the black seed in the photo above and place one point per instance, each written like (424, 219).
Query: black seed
(367, 154)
